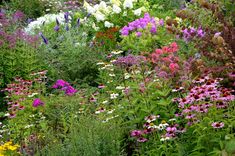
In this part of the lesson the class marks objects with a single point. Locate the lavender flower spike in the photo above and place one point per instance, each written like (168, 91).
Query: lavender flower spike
(66, 17)
(43, 38)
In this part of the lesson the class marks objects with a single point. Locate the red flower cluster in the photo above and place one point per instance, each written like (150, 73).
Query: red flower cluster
(166, 60)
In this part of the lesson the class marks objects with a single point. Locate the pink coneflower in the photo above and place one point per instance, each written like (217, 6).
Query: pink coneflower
(221, 104)
(232, 75)
(217, 124)
(92, 99)
(21, 107)
(141, 139)
(151, 118)
(136, 133)
(190, 116)
(12, 115)
(101, 86)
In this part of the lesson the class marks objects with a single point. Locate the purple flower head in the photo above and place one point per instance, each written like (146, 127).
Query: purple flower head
(37, 102)
(59, 84)
(43, 38)
(200, 33)
(18, 15)
(78, 22)
(67, 27)
(138, 34)
(153, 30)
(161, 22)
(57, 22)
(66, 17)
(57, 28)
(140, 23)
(70, 91)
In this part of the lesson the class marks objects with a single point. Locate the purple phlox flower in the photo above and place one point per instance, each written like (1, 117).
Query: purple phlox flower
(138, 34)
(140, 23)
(64, 86)
(200, 33)
(70, 91)
(37, 102)
(59, 84)
(217, 34)
(161, 22)
(43, 38)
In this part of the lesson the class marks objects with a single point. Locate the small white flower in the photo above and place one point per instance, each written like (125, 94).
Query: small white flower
(104, 102)
(108, 24)
(47, 10)
(116, 9)
(33, 94)
(137, 12)
(112, 75)
(100, 63)
(127, 75)
(128, 4)
(111, 111)
(173, 119)
(114, 95)
(99, 16)
(164, 139)
(28, 126)
(116, 52)
(7, 114)
(120, 87)
(108, 65)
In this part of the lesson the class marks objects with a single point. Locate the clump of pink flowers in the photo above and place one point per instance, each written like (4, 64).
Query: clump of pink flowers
(206, 94)
(37, 102)
(166, 60)
(140, 24)
(64, 86)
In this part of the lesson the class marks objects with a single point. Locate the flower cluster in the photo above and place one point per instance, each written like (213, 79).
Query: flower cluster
(191, 33)
(166, 59)
(37, 102)
(167, 131)
(196, 102)
(140, 24)
(129, 60)
(44, 20)
(8, 147)
(64, 86)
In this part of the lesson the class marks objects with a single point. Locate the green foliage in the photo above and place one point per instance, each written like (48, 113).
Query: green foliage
(32, 8)
(19, 61)
(69, 56)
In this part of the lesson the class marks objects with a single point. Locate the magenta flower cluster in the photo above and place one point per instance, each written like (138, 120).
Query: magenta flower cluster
(191, 33)
(37, 102)
(141, 23)
(64, 86)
